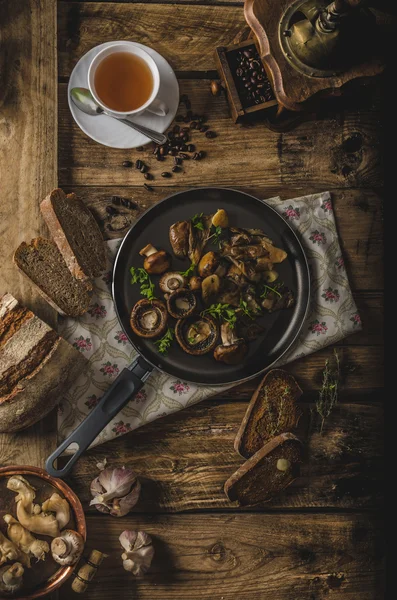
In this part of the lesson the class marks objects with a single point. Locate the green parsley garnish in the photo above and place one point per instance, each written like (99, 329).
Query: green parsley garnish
(222, 312)
(246, 310)
(188, 271)
(141, 276)
(197, 222)
(164, 343)
(217, 235)
(267, 288)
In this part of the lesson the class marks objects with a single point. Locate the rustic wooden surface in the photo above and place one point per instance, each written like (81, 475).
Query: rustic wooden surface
(28, 170)
(322, 538)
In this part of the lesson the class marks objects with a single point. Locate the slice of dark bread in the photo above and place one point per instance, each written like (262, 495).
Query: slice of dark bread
(76, 233)
(267, 473)
(44, 265)
(271, 411)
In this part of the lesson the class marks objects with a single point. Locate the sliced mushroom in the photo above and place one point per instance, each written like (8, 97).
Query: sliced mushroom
(156, 261)
(233, 350)
(149, 318)
(172, 281)
(208, 264)
(276, 255)
(179, 238)
(235, 275)
(195, 283)
(181, 303)
(198, 238)
(60, 506)
(67, 548)
(250, 299)
(276, 300)
(263, 265)
(24, 540)
(8, 550)
(196, 334)
(210, 288)
(230, 293)
(11, 578)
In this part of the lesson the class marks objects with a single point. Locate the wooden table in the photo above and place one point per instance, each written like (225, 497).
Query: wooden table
(321, 538)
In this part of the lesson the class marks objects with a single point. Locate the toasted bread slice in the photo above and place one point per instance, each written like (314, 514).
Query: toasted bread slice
(271, 411)
(76, 233)
(267, 472)
(44, 265)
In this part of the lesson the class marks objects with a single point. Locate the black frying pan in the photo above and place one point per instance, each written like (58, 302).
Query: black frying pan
(281, 328)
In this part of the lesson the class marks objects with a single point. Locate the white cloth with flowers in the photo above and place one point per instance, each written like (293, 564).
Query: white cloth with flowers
(97, 334)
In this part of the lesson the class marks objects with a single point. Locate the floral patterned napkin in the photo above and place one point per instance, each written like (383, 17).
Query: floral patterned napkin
(97, 334)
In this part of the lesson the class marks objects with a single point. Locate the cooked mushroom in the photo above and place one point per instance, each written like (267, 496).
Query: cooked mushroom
(278, 299)
(198, 238)
(8, 550)
(60, 506)
(179, 238)
(172, 281)
(195, 283)
(24, 540)
(220, 218)
(250, 299)
(234, 274)
(11, 578)
(45, 524)
(67, 548)
(270, 276)
(181, 303)
(230, 293)
(208, 264)
(210, 288)
(149, 318)
(263, 264)
(233, 349)
(276, 255)
(156, 261)
(196, 334)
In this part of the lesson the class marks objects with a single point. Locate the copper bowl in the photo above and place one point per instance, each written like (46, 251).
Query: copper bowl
(50, 576)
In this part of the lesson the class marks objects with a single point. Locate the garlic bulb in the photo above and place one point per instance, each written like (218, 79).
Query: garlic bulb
(115, 491)
(139, 551)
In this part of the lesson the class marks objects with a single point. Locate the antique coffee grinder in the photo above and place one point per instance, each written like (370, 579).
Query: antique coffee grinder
(312, 48)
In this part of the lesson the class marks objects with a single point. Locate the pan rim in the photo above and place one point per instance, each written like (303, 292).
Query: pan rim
(306, 264)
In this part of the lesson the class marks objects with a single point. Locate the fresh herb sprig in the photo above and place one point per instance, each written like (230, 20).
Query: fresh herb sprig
(164, 343)
(328, 394)
(222, 312)
(216, 235)
(246, 310)
(268, 288)
(188, 271)
(197, 221)
(140, 275)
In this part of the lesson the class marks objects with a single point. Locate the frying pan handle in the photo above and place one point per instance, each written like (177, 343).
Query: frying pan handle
(123, 389)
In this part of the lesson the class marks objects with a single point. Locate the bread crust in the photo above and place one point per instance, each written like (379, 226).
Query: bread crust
(241, 441)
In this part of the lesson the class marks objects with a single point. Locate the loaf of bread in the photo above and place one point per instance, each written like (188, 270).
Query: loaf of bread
(267, 472)
(36, 366)
(76, 233)
(44, 265)
(271, 411)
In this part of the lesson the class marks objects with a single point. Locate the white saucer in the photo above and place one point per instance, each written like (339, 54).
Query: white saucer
(106, 130)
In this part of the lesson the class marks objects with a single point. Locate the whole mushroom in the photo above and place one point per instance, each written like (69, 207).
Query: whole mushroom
(11, 578)
(156, 261)
(67, 548)
(149, 318)
(233, 350)
(139, 551)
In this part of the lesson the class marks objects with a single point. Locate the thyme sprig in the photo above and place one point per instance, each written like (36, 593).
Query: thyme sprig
(217, 235)
(267, 288)
(140, 275)
(246, 310)
(328, 394)
(164, 343)
(275, 425)
(222, 312)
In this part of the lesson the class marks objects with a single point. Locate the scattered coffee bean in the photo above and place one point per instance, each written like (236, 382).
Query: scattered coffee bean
(148, 176)
(191, 148)
(165, 174)
(138, 164)
(171, 152)
(184, 156)
(124, 202)
(176, 169)
(177, 160)
(193, 125)
(163, 150)
(199, 155)
(184, 147)
(148, 187)
(210, 134)
(140, 149)
(156, 150)
(127, 164)
(204, 128)
(111, 210)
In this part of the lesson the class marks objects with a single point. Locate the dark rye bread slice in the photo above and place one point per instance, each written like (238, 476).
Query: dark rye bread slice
(271, 411)
(267, 472)
(43, 264)
(76, 233)
(36, 366)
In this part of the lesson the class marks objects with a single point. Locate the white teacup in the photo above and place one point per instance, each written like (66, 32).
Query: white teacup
(153, 104)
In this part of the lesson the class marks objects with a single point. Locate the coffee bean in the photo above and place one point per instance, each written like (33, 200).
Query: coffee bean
(171, 152)
(156, 150)
(148, 176)
(204, 128)
(138, 164)
(177, 160)
(162, 150)
(148, 187)
(111, 210)
(191, 148)
(193, 125)
(185, 138)
(184, 148)
(165, 174)
(159, 157)
(210, 134)
(201, 154)
(196, 156)
(143, 168)
(127, 164)
(184, 156)
(140, 149)
(185, 129)
(176, 169)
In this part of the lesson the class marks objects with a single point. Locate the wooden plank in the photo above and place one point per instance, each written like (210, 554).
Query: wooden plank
(28, 166)
(184, 460)
(358, 214)
(244, 557)
(192, 31)
(335, 149)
